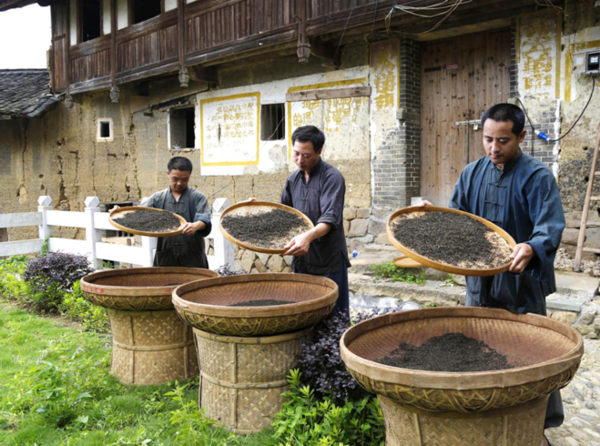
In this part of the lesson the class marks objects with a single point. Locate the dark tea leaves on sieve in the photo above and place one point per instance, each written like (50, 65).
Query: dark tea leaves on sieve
(270, 229)
(451, 352)
(453, 239)
(146, 220)
(261, 303)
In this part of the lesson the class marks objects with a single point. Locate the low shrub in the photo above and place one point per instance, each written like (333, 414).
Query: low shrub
(308, 421)
(58, 386)
(49, 277)
(11, 271)
(390, 271)
(321, 363)
(78, 309)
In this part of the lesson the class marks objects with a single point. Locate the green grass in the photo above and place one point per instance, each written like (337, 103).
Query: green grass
(56, 389)
(390, 271)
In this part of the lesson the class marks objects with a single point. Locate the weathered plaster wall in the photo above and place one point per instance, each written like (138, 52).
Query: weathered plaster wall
(549, 58)
(59, 155)
(581, 34)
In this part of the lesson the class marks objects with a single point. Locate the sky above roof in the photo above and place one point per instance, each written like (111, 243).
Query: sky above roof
(24, 37)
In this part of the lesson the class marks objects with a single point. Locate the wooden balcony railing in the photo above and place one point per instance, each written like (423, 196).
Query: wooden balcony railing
(210, 29)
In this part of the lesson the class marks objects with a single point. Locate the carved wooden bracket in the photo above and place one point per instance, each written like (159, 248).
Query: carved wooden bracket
(114, 94)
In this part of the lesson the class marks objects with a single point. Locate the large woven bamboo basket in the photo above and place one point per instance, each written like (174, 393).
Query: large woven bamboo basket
(242, 378)
(151, 345)
(483, 408)
(139, 289)
(206, 304)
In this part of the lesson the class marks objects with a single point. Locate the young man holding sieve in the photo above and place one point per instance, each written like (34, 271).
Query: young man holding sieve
(186, 249)
(518, 193)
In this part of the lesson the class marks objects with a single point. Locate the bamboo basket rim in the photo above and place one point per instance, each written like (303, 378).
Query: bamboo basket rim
(460, 381)
(87, 282)
(126, 209)
(251, 311)
(425, 261)
(251, 340)
(406, 262)
(256, 203)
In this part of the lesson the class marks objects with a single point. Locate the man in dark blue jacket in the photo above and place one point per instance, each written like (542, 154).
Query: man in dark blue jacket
(518, 193)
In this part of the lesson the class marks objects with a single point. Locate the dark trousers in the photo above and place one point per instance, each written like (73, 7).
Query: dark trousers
(555, 414)
(341, 278)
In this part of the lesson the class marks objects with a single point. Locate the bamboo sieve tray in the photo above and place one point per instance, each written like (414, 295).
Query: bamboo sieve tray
(247, 207)
(425, 261)
(124, 210)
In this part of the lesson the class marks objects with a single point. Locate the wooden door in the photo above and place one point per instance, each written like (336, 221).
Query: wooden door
(460, 79)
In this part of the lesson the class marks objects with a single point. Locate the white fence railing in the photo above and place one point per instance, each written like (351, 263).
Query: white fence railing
(95, 223)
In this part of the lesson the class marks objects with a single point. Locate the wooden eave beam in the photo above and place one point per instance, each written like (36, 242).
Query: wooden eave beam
(331, 93)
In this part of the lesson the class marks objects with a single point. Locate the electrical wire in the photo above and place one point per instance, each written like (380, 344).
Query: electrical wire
(530, 124)
(418, 11)
(543, 135)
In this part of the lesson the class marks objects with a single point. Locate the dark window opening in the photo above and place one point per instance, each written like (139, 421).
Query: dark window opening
(272, 122)
(104, 129)
(145, 9)
(183, 128)
(91, 17)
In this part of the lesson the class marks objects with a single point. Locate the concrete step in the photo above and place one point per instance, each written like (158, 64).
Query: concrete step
(576, 284)
(433, 292)
(575, 291)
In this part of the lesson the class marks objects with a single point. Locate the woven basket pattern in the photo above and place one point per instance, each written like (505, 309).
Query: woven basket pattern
(254, 326)
(225, 293)
(151, 347)
(139, 289)
(449, 400)
(207, 304)
(523, 344)
(231, 372)
(130, 303)
(521, 428)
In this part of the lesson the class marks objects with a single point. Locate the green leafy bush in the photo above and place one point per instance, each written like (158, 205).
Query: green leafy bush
(50, 276)
(307, 421)
(56, 388)
(321, 363)
(390, 271)
(11, 271)
(78, 309)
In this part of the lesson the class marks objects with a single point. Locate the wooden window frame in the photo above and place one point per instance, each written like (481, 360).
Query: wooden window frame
(79, 6)
(130, 11)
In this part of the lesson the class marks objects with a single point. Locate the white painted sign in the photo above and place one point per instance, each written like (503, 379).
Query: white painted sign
(230, 130)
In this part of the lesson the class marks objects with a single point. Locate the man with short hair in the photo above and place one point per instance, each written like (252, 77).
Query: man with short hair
(188, 248)
(518, 193)
(317, 189)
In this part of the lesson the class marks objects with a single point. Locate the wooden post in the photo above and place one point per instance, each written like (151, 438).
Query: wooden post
(67, 60)
(303, 44)
(149, 250)
(184, 77)
(586, 205)
(44, 202)
(223, 254)
(114, 90)
(92, 235)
